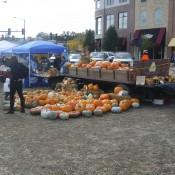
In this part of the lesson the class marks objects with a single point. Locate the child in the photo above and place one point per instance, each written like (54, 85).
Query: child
(6, 89)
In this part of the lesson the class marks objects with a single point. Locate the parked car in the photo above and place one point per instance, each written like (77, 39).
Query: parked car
(124, 57)
(74, 57)
(101, 56)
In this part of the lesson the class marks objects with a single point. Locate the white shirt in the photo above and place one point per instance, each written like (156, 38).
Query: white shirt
(6, 85)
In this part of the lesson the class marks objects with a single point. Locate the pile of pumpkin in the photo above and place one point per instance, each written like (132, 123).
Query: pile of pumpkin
(103, 64)
(72, 104)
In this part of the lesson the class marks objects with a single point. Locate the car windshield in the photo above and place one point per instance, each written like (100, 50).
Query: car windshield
(98, 55)
(74, 56)
(123, 56)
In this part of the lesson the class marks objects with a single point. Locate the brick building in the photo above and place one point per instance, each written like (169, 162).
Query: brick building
(118, 13)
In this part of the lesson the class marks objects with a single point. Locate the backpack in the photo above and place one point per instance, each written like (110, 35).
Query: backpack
(24, 71)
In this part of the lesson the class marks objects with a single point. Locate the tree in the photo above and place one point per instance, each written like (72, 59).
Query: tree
(89, 43)
(146, 44)
(110, 40)
(42, 35)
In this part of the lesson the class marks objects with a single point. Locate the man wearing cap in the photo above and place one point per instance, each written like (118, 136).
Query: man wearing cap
(145, 57)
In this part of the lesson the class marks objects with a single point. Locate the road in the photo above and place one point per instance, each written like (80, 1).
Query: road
(137, 142)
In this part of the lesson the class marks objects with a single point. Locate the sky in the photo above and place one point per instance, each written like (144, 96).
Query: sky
(47, 16)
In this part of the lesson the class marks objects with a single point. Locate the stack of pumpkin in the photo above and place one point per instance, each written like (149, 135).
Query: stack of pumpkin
(72, 104)
(103, 65)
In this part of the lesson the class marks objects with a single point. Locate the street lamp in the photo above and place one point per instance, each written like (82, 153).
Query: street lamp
(24, 26)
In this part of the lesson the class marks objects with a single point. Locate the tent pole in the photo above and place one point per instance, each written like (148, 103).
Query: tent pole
(29, 69)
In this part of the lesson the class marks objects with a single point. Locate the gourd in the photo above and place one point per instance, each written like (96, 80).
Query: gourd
(35, 111)
(135, 105)
(64, 116)
(74, 114)
(98, 112)
(116, 109)
(47, 114)
(87, 113)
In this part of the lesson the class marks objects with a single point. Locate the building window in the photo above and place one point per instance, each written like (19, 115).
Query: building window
(110, 21)
(99, 26)
(123, 20)
(110, 2)
(158, 16)
(143, 18)
(123, 1)
(98, 4)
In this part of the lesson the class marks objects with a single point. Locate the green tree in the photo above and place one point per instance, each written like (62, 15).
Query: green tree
(110, 40)
(146, 44)
(89, 43)
(42, 35)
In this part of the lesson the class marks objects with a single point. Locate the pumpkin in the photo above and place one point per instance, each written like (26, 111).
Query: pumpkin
(66, 108)
(114, 65)
(87, 113)
(90, 107)
(45, 113)
(42, 97)
(123, 93)
(116, 109)
(98, 112)
(97, 103)
(34, 104)
(104, 96)
(124, 104)
(134, 100)
(42, 102)
(90, 87)
(104, 109)
(74, 114)
(135, 105)
(55, 108)
(107, 106)
(117, 89)
(36, 110)
(79, 107)
(64, 116)
(95, 87)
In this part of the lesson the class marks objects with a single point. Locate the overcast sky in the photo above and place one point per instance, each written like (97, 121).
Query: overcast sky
(47, 15)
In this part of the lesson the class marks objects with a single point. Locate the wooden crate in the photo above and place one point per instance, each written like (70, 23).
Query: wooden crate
(107, 74)
(72, 71)
(82, 72)
(121, 76)
(94, 73)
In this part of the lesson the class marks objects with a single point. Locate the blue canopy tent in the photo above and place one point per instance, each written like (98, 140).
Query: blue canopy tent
(37, 47)
(5, 45)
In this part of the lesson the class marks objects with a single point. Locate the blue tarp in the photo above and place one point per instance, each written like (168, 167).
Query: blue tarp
(39, 47)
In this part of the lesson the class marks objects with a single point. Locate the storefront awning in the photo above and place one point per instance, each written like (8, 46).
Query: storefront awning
(156, 35)
(172, 43)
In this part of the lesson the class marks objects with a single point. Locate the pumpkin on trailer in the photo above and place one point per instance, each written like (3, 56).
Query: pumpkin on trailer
(95, 87)
(87, 113)
(114, 65)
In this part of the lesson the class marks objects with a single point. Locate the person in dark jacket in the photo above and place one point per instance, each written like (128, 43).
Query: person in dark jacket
(16, 84)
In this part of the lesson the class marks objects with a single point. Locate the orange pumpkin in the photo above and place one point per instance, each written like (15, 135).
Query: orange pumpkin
(90, 86)
(42, 97)
(104, 96)
(97, 103)
(66, 108)
(90, 107)
(95, 87)
(134, 100)
(107, 106)
(55, 108)
(42, 102)
(79, 107)
(103, 108)
(114, 65)
(124, 104)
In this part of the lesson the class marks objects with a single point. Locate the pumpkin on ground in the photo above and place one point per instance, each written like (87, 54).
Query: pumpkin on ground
(64, 116)
(98, 112)
(135, 105)
(36, 110)
(74, 114)
(79, 107)
(87, 113)
(124, 104)
(116, 109)
(90, 107)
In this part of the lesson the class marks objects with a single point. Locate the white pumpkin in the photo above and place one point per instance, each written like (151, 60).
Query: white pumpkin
(135, 105)
(64, 116)
(116, 109)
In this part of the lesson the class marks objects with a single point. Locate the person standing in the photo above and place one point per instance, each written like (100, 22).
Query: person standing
(16, 83)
